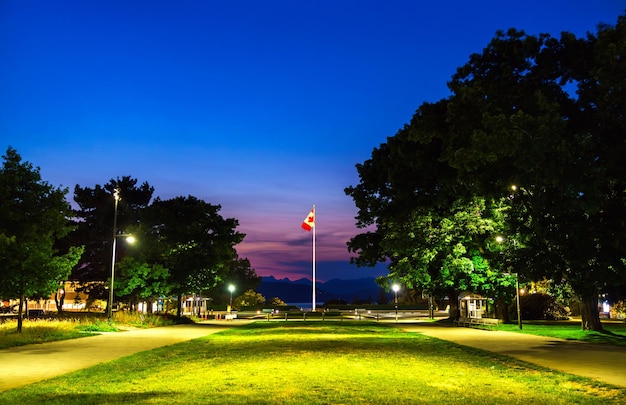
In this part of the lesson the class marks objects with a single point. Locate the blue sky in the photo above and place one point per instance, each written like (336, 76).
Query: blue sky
(263, 107)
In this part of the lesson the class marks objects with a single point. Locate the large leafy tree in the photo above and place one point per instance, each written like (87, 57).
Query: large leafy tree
(192, 240)
(95, 227)
(543, 113)
(516, 119)
(402, 174)
(34, 215)
(602, 98)
(428, 227)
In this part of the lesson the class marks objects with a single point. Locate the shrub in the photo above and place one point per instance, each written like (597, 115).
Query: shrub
(618, 310)
(541, 306)
(140, 320)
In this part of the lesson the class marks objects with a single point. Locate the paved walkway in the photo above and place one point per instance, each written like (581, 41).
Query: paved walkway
(24, 365)
(600, 362)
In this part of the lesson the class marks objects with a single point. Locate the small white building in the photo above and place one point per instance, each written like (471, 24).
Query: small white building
(472, 305)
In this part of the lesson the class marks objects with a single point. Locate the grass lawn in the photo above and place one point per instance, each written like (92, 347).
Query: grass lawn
(614, 332)
(315, 363)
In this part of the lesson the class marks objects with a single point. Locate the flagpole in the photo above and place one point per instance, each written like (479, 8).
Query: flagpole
(315, 216)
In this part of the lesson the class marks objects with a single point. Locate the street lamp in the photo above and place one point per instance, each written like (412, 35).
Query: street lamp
(519, 314)
(395, 289)
(231, 288)
(130, 239)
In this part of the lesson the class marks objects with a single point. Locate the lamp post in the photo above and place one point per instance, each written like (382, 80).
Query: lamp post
(116, 195)
(231, 288)
(395, 289)
(130, 239)
(519, 314)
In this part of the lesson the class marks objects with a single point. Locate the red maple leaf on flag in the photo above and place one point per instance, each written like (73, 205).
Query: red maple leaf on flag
(309, 221)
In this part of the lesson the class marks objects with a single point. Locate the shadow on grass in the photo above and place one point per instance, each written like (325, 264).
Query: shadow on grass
(110, 398)
(606, 337)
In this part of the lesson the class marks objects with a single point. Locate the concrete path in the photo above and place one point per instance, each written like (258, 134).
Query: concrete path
(24, 365)
(600, 362)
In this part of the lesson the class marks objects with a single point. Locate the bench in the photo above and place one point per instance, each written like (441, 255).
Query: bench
(476, 322)
(484, 322)
(462, 321)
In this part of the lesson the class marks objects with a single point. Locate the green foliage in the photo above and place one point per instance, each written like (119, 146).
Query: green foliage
(249, 298)
(33, 216)
(541, 306)
(239, 273)
(122, 319)
(95, 228)
(141, 281)
(190, 239)
(512, 119)
(276, 302)
(98, 325)
(185, 246)
(561, 149)
(618, 310)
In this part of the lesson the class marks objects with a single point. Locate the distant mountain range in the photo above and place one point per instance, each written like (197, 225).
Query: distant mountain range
(300, 291)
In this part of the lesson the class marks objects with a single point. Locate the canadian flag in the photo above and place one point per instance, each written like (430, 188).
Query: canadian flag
(309, 221)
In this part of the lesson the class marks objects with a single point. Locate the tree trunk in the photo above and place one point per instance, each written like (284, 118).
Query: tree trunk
(20, 314)
(589, 312)
(453, 297)
(178, 306)
(59, 299)
(198, 305)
